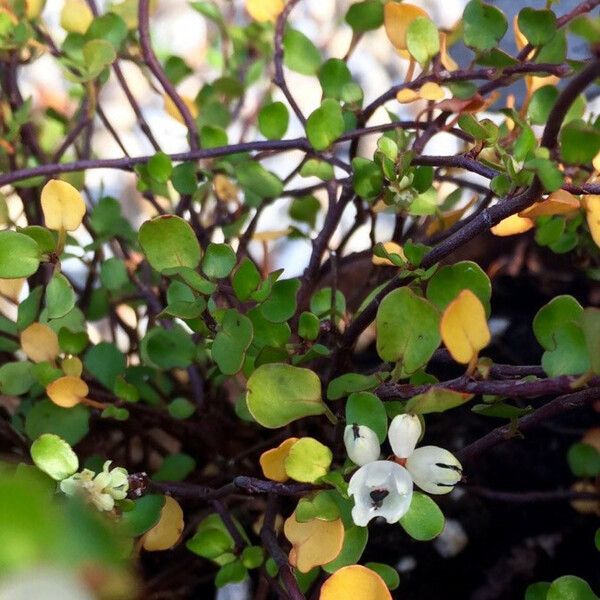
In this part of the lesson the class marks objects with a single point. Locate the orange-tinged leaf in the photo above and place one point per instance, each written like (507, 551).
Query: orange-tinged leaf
(558, 203)
(272, 461)
(314, 543)
(355, 581)
(406, 96)
(464, 328)
(225, 189)
(11, 288)
(270, 236)
(512, 226)
(520, 39)
(446, 60)
(390, 248)
(67, 391)
(166, 533)
(62, 205)
(445, 221)
(40, 343)
(592, 213)
(431, 91)
(397, 18)
(469, 105)
(173, 111)
(264, 11)
(535, 82)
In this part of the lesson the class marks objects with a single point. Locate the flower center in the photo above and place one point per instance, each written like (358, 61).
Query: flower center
(378, 496)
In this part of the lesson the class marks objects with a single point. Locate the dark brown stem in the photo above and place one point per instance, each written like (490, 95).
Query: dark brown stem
(156, 69)
(558, 406)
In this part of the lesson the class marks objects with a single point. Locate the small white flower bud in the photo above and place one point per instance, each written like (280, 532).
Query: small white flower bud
(404, 433)
(435, 470)
(362, 444)
(380, 489)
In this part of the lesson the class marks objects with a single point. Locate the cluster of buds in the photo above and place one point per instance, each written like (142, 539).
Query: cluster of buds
(383, 488)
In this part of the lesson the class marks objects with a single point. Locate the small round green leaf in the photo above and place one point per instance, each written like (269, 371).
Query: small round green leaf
(484, 25)
(325, 124)
(449, 280)
(422, 40)
(144, 516)
(387, 573)
(71, 424)
(19, 255)
(218, 261)
(308, 460)
(168, 242)
(570, 587)
(232, 341)
(538, 26)
(54, 456)
(364, 408)
(407, 329)
(273, 120)
(364, 16)
(584, 460)
(424, 519)
(300, 54)
(279, 394)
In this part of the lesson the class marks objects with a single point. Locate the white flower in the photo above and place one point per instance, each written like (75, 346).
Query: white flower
(102, 489)
(380, 489)
(404, 433)
(362, 444)
(433, 469)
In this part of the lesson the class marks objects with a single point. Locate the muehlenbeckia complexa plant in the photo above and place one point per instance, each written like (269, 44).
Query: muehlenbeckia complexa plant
(377, 218)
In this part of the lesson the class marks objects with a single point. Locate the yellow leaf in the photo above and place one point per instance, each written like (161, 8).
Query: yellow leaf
(67, 391)
(443, 222)
(271, 461)
(72, 366)
(225, 189)
(390, 248)
(592, 213)
(512, 225)
(166, 533)
(397, 18)
(355, 581)
(596, 162)
(62, 205)
(76, 16)
(173, 111)
(431, 91)
(264, 10)
(446, 60)
(33, 8)
(314, 543)
(11, 288)
(520, 39)
(464, 328)
(407, 96)
(558, 203)
(270, 236)
(40, 343)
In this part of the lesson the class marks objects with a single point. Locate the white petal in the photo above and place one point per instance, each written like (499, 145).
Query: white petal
(362, 444)
(376, 477)
(404, 433)
(361, 515)
(435, 470)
